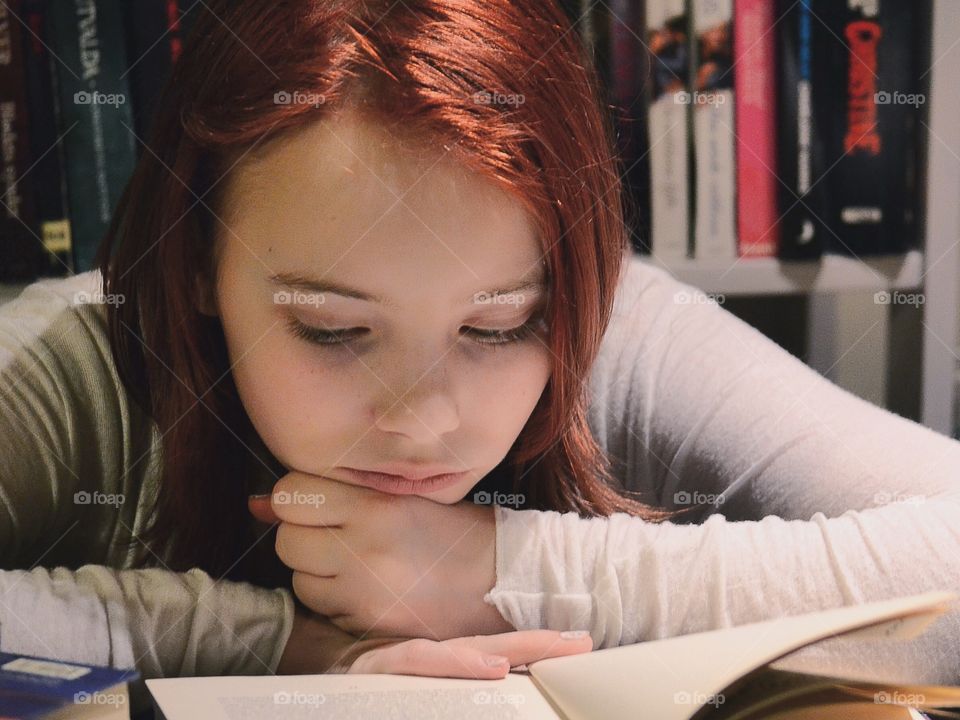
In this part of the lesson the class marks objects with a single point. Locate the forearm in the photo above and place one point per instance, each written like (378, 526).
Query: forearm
(627, 581)
(162, 623)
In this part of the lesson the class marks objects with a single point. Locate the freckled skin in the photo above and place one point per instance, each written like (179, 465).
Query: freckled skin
(341, 200)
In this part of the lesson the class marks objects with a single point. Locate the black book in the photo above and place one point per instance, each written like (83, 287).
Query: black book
(50, 183)
(21, 251)
(630, 77)
(868, 56)
(801, 161)
(156, 31)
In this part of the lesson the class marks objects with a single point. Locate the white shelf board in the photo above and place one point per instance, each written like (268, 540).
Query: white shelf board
(771, 276)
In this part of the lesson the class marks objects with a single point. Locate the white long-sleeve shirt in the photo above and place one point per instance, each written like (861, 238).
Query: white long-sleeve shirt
(808, 497)
(686, 398)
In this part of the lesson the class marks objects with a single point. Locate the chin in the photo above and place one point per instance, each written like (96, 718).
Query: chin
(449, 496)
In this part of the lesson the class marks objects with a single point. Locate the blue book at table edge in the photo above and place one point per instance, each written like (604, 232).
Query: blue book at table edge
(38, 688)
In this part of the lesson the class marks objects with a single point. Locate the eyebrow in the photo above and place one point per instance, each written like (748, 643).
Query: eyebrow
(295, 281)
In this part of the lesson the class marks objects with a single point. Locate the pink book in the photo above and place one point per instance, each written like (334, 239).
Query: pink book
(755, 63)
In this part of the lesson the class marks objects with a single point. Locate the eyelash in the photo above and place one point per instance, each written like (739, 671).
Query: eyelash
(334, 338)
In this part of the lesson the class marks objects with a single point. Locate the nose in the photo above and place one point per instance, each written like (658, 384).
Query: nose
(425, 409)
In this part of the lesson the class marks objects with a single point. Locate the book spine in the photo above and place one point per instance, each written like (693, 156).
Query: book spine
(798, 139)
(156, 32)
(754, 85)
(20, 248)
(87, 35)
(630, 73)
(669, 134)
(47, 151)
(873, 188)
(712, 103)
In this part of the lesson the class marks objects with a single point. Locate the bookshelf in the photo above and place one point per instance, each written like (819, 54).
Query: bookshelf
(933, 271)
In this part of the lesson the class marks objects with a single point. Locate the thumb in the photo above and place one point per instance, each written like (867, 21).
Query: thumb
(260, 508)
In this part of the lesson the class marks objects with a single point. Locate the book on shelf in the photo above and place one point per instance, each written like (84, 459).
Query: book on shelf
(780, 128)
(867, 59)
(733, 673)
(711, 101)
(755, 86)
(669, 204)
(36, 688)
(79, 84)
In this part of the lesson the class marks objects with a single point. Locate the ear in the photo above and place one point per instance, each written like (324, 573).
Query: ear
(206, 296)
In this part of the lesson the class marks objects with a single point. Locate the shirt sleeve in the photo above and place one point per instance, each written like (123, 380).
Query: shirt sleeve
(78, 468)
(806, 497)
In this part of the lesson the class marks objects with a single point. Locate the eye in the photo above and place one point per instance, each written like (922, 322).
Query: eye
(321, 337)
(488, 338)
(493, 338)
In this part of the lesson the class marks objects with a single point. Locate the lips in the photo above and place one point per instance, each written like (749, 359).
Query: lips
(411, 472)
(401, 485)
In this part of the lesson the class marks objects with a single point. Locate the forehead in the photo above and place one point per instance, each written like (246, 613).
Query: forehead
(346, 199)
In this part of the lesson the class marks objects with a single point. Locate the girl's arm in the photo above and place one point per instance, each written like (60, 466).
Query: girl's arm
(76, 473)
(807, 497)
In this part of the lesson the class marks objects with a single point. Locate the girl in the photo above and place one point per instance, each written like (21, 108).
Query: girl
(373, 262)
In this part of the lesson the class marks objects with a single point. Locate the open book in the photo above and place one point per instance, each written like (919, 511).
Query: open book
(721, 674)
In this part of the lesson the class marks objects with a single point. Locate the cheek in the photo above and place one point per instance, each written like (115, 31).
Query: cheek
(508, 390)
(297, 406)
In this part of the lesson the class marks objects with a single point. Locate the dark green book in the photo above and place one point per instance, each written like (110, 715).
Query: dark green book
(95, 115)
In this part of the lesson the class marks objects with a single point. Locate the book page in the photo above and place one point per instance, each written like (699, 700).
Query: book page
(343, 697)
(673, 678)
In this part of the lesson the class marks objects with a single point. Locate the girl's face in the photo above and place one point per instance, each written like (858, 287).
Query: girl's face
(354, 287)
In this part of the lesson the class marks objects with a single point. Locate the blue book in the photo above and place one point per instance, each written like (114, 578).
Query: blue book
(35, 688)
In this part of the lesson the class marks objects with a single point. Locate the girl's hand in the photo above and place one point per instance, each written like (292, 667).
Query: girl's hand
(385, 565)
(316, 646)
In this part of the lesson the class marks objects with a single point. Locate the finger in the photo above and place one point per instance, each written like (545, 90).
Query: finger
(432, 659)
(317, 501)
(527, 646)
(259, 506)
(314, 550)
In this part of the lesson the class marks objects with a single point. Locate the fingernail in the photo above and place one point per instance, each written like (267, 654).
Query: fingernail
(573, 634)
(258, 497)
(494, 660)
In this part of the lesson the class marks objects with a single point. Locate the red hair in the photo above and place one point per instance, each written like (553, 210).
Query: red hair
(503, 85)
